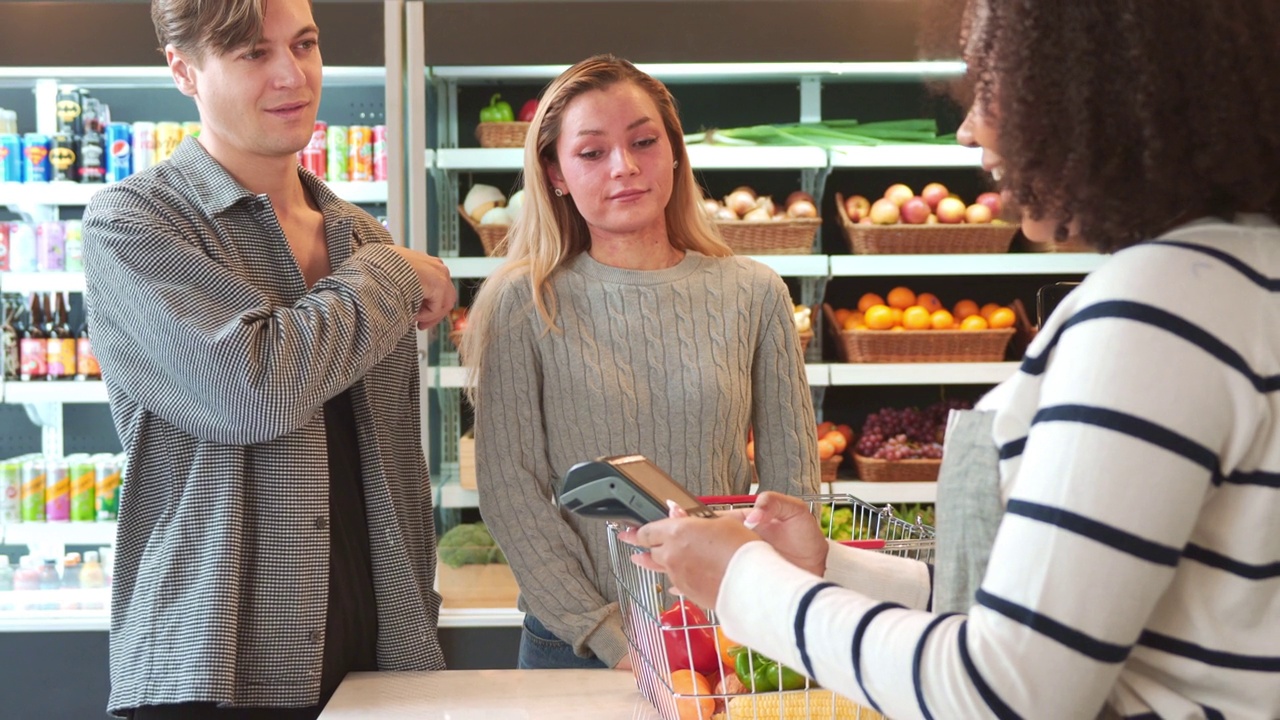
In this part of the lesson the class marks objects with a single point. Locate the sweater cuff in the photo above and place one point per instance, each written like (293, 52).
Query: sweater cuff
(607, 642)
(394, 270)
(880, 576)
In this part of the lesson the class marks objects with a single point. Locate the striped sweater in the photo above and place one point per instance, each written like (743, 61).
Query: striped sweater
(1138, 563)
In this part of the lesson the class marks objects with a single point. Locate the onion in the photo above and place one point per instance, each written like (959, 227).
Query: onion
(496, 216)
(710, 206)
(802, 209)
(724, 213)
(766, 202)
(740, 202)
(746, 189)
(480, 199)
(799, 195)
(514, 203)
(757, 215)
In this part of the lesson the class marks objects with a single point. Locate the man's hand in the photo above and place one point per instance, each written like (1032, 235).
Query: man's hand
(438, 293)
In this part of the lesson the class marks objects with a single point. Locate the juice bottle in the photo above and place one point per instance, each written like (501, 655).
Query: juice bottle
(83, 491)
(91, 575)
(26, 577)
(47, 577)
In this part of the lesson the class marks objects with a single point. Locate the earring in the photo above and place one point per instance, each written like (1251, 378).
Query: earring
(675, 165)
(559, 192)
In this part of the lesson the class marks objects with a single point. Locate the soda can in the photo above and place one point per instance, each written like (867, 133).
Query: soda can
(380, 153)
(57, 494)
(63, 158)
(33, 486)
(11, 490)
(51, 246)
(73, 238)
(35, 157)
(168, 136)
(337, 139)
(315, 156)
(69, 110)
(84, 493)
(119, 142)
(106, 480)
(22, 247)
(360, 148)
(10, 157)
(93, 161)
(190, 129)
(94, 114)
(4, 246)
(144, 145)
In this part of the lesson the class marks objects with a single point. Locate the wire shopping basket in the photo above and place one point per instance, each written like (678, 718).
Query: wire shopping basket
(689, 670)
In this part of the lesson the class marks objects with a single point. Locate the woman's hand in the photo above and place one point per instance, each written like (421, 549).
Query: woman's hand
(788, 524)
(693, 552)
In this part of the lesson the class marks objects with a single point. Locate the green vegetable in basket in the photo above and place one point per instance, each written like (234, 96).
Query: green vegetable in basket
(837, 524)
(499, 110)
(760, 674)
(470, 544)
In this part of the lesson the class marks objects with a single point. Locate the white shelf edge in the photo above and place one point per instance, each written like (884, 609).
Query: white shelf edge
(960, 264)
(56, 392)
(480, 617)
(68, 533)
(69, 194)
(885, 493)
(796, 265)
(479, 158)
(819, 375)
(720, 157)
(470, 268)
(950, 373)
(99, 620)
(24, 283)
(160, 76)
(720, 72)
(904, 156)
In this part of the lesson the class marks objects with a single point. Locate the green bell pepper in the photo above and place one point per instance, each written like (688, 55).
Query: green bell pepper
(760, 674)
(498, 110)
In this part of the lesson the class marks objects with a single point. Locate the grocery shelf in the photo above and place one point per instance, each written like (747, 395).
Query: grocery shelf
(902, 156)
(66, 533)
(718, 72)
(456, 377)
(470, 268)
(77, 194)
(58, 392)
(720, 157)
(957, 265)
(159, 76)
(24, 283)
(785, 265)
(947, 373)
(879, 493)
(361, 193)
(480, 158)
(480, 617)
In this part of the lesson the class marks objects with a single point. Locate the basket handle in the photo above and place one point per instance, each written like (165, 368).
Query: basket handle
(728, 499)
(863, 544)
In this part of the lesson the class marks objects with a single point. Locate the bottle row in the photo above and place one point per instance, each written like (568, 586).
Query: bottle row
(75, 488)
(49, 246)
(19, 586)
(41, 345)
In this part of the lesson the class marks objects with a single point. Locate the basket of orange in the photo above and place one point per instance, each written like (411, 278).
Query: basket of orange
(904, 328)
(832, 441)
(936, 221)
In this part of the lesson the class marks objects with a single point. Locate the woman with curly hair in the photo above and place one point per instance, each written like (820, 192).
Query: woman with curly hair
(1134, 459)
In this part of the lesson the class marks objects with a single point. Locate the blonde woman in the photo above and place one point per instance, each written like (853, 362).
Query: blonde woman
(621, 323)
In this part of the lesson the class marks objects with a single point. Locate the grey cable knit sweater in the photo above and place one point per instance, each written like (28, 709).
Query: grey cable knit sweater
(673, 364)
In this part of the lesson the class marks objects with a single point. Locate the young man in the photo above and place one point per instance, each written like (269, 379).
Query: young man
(256, 338)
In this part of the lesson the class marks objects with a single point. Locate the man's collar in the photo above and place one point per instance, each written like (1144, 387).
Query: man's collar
(216, 190)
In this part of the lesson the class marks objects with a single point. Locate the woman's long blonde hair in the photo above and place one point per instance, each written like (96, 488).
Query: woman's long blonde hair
(551, 231)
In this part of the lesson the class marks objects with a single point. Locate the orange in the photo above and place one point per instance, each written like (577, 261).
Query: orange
(879, 317)
(841, 314)
(725, 643)
(929, 302)
(852, 320)
(916, 318)
(825, 449)
(964, 309)
(973, 322)
(897, 316)
(688, 682)
(837, 440)
(1001, 318)
(751, 450)
(941, 320)
(987, 309)
(868, 300)
(901, 298)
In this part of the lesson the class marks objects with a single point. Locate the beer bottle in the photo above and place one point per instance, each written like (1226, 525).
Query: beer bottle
(33, 363)
(86, 362)
(9, 338)
(61, 342)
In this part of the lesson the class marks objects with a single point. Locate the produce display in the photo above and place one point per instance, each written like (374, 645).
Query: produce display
(828, 134)
(903, 309)
(744, 204)
(470, 544)
(933, 206)
(832, 440)
(487, 205)
(907, 433)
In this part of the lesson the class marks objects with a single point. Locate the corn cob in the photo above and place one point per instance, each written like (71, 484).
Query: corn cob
(810, 705)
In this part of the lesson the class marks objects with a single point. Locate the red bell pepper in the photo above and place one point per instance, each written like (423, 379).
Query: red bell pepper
(528, 110)
(692, 648)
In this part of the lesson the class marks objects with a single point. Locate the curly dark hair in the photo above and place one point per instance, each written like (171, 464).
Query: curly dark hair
(1131, 116)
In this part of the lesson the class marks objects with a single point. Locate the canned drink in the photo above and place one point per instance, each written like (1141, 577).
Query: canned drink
(57, 494)
(22, 247)
(84, 493)
(315, 156)
(70, 110)
(35, 157)
(63, 158)
(33, 486)
(106, 478)
(119, 146)
(168, 136)
(190, 129)
(95, 114)
(8, 122)
(360, 149)
(93, 161)
(380, 153)
(337, 140)
(10, 157)
(11, 490)
(4, 246)
(51, 247)
(73, 237)
(144, 145)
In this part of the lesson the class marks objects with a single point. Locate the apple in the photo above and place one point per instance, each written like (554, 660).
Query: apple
(950, 211)
(856, 207)
(933, 220)
(899, 194)
(977, 214)
(884, 212)
(991, 200)
(915, 211)
(865, 221)
(933, 194)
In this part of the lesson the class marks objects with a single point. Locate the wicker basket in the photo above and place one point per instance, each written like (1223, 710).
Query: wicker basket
(774, 237)
(1070, 246)
(924, 239)
(829, 467)
(492, 237)
(502, 134)
(872, 470)
(907, 346)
